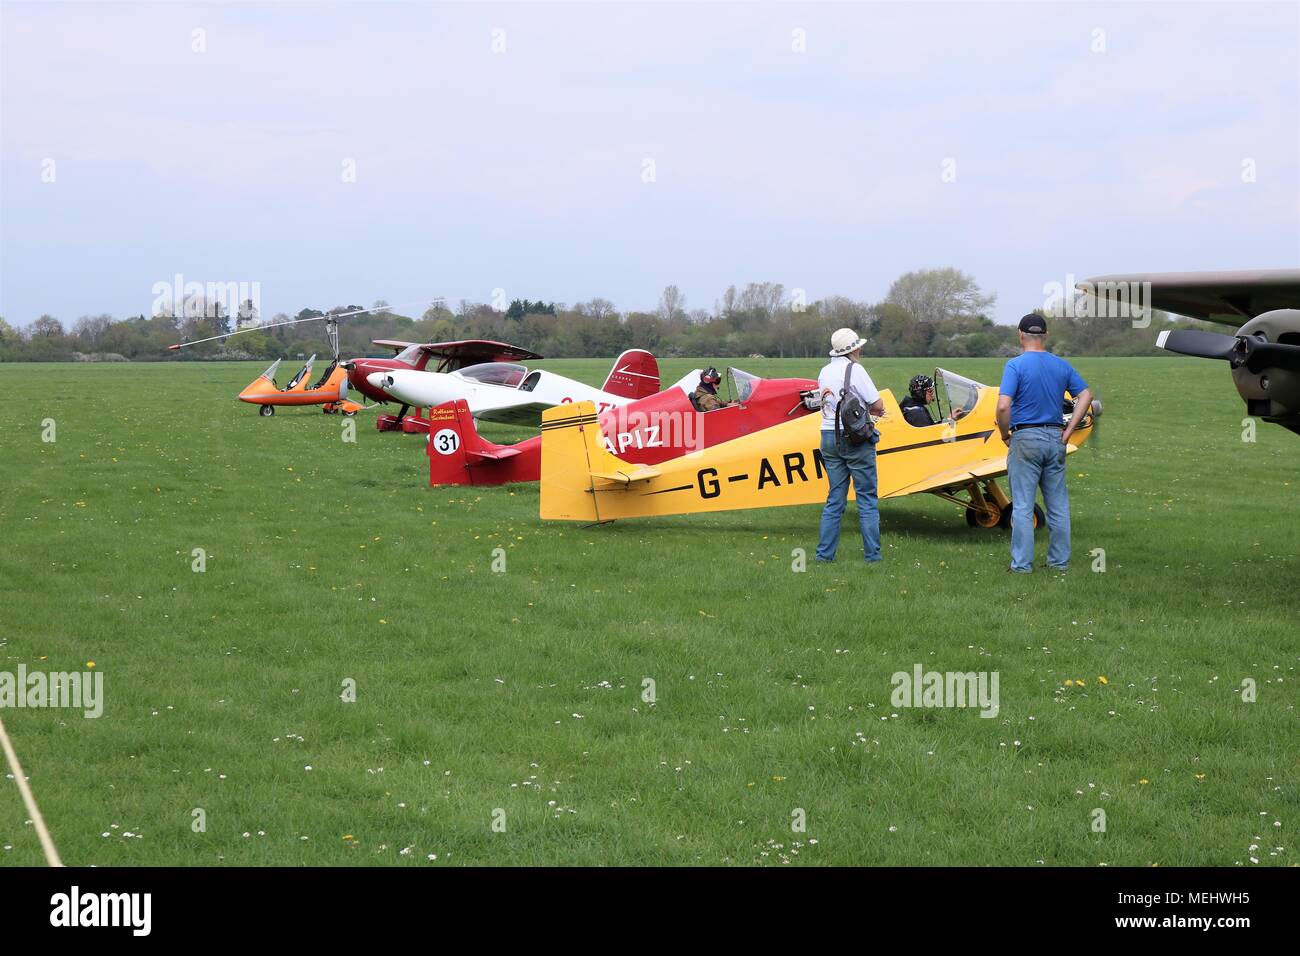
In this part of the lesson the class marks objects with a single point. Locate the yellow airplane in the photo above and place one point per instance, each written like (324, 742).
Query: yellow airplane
(958, 459)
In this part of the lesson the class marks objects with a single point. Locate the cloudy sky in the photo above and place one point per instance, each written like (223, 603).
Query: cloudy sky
(566, 150)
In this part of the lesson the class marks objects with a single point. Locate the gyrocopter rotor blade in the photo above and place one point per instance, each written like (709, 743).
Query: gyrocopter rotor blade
(335, 316)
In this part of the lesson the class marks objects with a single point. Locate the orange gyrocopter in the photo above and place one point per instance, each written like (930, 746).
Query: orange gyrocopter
(330, 391)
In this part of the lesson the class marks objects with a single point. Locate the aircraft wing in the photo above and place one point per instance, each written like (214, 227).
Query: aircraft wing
(993, 468)
(1229, 298)
(524, 413)
(465, 351)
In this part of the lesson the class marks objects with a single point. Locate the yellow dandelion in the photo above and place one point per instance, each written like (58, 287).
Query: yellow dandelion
(1101, 679)
(1144, 781)
(90, 664)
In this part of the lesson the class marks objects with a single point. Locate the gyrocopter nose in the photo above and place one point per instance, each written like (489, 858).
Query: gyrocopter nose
(380, 380)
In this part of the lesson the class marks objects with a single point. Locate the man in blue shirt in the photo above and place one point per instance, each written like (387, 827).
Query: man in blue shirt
(1031, 420)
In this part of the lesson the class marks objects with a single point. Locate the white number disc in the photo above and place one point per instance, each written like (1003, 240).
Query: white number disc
(446, 442)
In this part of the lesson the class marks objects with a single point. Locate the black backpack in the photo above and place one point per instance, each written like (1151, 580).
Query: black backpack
(852, 419)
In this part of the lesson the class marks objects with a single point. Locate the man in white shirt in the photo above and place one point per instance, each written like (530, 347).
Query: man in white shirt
(844, 459)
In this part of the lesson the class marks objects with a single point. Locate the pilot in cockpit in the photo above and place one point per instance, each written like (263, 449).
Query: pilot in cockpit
(916, 407)
(705, 398)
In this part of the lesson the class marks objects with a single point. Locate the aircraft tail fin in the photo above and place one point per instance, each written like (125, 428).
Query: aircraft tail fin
(572, 449)
(635, 375)
(458, 455)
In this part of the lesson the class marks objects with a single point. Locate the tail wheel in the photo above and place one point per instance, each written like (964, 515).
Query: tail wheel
(1040, 518)
(989, 516)
(266, 411)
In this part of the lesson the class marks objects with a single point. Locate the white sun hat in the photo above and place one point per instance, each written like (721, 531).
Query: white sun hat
(845, 341)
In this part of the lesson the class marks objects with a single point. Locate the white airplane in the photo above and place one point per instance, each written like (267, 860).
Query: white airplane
(510, 393)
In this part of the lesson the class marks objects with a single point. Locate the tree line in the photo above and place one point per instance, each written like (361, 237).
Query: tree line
(934, 313)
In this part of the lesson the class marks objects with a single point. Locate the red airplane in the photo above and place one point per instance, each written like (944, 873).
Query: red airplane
(414, 355)
(647, 431)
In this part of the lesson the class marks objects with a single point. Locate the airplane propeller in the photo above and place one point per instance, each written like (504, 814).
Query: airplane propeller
(1253, 351)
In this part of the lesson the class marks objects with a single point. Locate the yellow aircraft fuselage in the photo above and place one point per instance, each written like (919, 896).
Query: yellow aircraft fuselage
(782, 465)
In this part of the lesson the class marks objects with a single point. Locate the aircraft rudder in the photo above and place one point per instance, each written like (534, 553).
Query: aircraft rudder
(635, 374)
(451, 429)
(571, 445)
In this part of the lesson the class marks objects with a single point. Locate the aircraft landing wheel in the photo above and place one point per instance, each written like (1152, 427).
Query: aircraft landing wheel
(1040, 519)
(988, 517)
(266, 411)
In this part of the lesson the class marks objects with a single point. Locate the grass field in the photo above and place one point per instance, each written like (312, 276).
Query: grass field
(517, 696)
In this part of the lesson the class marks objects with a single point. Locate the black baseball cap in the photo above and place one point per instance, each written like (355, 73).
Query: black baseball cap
(1034, 324)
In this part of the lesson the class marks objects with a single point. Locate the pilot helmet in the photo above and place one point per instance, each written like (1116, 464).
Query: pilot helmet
(710, 376)
(920, 385)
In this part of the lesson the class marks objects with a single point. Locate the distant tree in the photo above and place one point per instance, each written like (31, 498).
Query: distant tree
(935, 295)
(672, 304)
(597, 308)
(46, 327)
(89, 330)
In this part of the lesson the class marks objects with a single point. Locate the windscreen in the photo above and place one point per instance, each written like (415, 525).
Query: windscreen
(958, 393)
(505, 374)
(742, 384)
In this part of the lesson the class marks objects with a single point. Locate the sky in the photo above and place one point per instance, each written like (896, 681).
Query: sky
(351, 152)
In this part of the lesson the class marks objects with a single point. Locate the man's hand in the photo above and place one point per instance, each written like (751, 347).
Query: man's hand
(1003, 417)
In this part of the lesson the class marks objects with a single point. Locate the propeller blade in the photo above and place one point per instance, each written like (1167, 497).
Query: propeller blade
(1261, 355)
(1210, 345)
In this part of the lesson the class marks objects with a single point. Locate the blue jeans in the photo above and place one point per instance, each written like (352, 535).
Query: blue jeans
(1037, 460)
(842, 461)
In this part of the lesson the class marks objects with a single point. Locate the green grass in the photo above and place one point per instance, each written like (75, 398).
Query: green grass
(329, 560)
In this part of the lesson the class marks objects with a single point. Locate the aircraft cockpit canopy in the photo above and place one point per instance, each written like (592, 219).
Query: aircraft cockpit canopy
(741, 384)
(409, 356)
(956, 395)
(503, 374)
